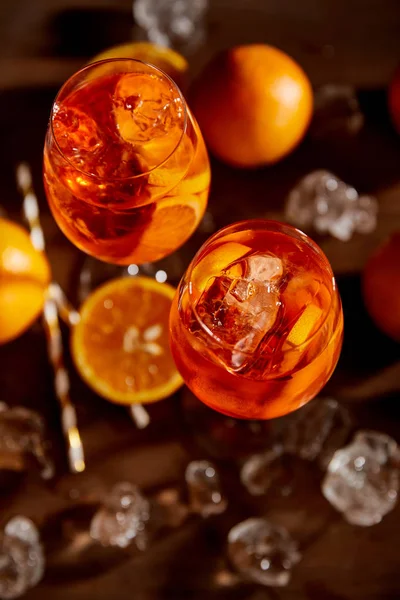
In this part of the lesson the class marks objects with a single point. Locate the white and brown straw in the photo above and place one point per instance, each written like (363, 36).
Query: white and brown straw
(55, 302)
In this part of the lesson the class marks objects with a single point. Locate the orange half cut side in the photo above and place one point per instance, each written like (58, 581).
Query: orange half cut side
(121, 345)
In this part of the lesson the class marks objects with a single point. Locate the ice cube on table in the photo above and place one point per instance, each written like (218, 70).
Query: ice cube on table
(262, 552)
(262, 472)
(316, 430)
(241, 305)
(22, 433)
(367, 214)
(122, 518)
(205, 493)
(172, 22)
(362, 481)
(301, 204)
(326, 203)
(22, 560)
(336, 112)
(23, 529)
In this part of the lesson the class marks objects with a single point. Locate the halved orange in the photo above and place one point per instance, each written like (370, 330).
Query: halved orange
(174, 64)
(121, 345)
(24, 277)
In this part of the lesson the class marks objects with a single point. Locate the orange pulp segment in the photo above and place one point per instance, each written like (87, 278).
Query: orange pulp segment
(121, 345)
(304, 325)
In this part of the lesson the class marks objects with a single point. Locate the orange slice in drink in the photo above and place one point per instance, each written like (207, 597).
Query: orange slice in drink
(304, 325)
(194, 184)
(295, 347)
(215, 262)
(121, 345)
(167, 174)
(185, 172)
(172, 223)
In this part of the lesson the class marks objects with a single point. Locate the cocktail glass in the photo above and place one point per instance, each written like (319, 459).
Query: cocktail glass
(126, 171)
(256, 324)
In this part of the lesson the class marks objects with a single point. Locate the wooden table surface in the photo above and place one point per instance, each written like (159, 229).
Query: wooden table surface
(337, 41)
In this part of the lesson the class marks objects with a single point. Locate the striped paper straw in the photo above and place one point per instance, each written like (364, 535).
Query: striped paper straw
(52, 328)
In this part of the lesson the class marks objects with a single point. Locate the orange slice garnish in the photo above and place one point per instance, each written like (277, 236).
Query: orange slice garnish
(194, 185)
(121, 345)
(304, 325)
(172, 222)
(215, 262)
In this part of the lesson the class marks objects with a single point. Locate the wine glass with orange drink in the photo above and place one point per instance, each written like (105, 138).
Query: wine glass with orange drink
(256, 324)
(127, 177)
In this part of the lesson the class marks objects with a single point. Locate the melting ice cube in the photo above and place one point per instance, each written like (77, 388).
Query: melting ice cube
(21, 558)
(122, 518)
(76, 133)
(172, 23)
(241, 305)
(267, 470)
(148, 114)
(21, 434)
(149, 117)
(262, 552)
(317, 430)
(323, 201)
(205, 493)
(336, 112)
(363, 478)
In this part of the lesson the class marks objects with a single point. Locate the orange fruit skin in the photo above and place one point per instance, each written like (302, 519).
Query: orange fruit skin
(170, 61)
(381, 287)
(394, 100)
(24, 277)
(253, 104)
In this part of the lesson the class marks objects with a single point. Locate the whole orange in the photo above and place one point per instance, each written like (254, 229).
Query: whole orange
(253, 103)
(394, 99)
(24, 277)
(381, 286)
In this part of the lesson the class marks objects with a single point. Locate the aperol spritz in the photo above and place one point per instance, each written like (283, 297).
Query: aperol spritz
(126, 171)
(256, 325)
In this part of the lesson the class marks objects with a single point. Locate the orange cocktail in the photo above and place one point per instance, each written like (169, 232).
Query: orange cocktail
(126, 171)
(256, 325)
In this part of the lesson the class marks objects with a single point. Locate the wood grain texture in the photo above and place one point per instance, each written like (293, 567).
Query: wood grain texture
(354, 41)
